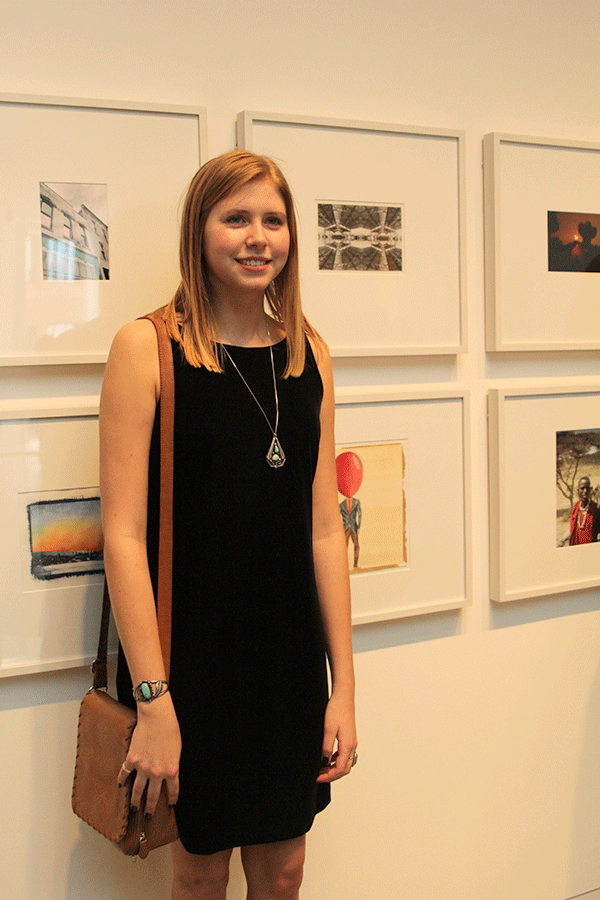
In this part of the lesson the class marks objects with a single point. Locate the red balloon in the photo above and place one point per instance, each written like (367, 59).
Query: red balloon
(349, 470)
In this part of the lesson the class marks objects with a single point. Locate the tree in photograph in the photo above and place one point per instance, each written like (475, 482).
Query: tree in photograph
(571, 448)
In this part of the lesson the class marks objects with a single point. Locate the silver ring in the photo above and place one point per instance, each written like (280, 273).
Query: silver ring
(353, 760)
(125, 769)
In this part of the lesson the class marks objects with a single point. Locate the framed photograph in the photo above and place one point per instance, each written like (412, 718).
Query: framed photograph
(544, 490)
(542, 243)
(382, 222)
(372, 499)
(406, 516)
(51, 564)
(89, 199)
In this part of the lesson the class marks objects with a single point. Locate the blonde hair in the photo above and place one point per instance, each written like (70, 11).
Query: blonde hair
(189, 315)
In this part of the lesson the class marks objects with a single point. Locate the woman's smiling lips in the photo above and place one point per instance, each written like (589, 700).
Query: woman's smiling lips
(253, 262)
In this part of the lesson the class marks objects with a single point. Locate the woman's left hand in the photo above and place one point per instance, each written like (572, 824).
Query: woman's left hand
(340, 729)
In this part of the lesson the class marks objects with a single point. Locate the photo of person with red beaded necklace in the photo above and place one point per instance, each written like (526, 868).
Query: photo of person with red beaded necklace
(585, 522)
(578, 510)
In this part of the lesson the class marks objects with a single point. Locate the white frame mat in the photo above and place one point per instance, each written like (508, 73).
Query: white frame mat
(48, 448)
(525, 560)
(145, 155)
(529, 307)
(419, 310)
(433, 427)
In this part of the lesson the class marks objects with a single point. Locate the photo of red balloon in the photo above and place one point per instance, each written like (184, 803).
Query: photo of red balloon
(349, 470)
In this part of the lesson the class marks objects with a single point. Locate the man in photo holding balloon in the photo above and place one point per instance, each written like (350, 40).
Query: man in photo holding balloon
(349, 478)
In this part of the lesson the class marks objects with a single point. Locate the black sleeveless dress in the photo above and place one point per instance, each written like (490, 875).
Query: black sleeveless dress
(248, 671)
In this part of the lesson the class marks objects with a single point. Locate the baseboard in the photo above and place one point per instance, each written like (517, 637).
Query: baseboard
(591, 895)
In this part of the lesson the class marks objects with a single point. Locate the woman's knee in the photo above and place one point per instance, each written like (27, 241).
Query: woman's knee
(275, 870)
(199, 876)
(288, 879)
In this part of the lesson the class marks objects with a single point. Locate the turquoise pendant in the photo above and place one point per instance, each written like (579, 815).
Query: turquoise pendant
(275, 456)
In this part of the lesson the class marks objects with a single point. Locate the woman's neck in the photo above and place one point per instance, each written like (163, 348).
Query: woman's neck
(245, 324)
(242, 326)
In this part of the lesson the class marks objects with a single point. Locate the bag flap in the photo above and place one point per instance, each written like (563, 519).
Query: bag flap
(104, 735)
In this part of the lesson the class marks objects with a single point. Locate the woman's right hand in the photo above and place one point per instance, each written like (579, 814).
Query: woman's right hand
(154, 753)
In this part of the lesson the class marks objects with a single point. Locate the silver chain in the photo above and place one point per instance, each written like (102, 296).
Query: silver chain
(232, 361)
(273, 430)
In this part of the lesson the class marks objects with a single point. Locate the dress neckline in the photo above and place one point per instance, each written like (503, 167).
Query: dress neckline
(242, 347)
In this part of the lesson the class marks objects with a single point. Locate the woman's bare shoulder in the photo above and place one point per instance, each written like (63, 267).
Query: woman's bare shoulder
(133, 358)
(135, 337)
(322, 356)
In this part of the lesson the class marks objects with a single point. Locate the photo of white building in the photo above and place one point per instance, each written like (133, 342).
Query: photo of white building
(74, 239)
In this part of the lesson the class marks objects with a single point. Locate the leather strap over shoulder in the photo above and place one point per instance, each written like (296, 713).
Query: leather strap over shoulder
(165, 536)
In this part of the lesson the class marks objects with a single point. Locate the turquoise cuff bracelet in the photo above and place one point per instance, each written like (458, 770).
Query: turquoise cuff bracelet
(147, 691)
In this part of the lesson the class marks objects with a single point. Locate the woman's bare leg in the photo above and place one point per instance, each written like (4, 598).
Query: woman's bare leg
(199, 877)
(274, 871)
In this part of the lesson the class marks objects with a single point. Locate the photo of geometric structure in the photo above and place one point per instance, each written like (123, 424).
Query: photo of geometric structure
(360, 237)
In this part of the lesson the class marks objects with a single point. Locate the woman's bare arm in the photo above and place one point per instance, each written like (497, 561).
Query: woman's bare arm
(127, 408)
(333, 584)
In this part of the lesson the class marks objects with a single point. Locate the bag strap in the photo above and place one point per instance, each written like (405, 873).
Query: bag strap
(165, 531)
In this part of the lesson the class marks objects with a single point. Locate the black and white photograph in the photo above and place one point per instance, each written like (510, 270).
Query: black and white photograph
(74, 221)
(360, 237)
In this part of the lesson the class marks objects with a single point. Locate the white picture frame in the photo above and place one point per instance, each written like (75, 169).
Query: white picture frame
(142, 156)
(529, 307)
(418, 310)
(437, 574)
(525, 560)
(50, 622)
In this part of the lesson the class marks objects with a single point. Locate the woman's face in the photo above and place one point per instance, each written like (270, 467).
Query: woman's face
(246, 240)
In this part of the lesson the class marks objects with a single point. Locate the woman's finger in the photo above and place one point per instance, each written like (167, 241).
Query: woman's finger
(124, 774)
(172, 789)
(341, 764)
(139, 785)
(327, 748)
(154, 789)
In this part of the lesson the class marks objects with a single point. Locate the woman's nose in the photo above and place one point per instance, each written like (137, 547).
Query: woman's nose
(256, 233)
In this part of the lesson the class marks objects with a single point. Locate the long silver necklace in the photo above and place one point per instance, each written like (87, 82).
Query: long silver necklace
(275, 456)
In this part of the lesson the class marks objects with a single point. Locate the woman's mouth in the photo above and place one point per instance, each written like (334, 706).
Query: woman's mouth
(253, 262)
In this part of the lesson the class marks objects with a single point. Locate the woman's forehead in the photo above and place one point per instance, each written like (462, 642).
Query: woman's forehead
(260, 190)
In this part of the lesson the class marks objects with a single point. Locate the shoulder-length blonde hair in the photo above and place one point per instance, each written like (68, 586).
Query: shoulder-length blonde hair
(189, 315)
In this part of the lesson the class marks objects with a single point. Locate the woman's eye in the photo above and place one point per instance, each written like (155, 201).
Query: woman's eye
(274, 220)
(235, 218)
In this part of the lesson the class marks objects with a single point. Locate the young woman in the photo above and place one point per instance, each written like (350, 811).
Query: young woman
(245, 736)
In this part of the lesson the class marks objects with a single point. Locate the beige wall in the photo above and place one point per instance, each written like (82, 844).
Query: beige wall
(480, 729)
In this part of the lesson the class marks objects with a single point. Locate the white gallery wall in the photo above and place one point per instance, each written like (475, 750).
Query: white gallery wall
(479, 728)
